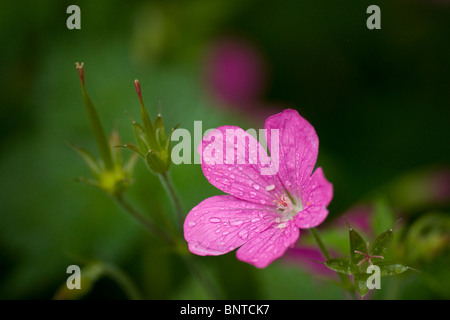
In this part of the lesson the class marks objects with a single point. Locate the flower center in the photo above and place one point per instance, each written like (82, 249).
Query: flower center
(287, 209)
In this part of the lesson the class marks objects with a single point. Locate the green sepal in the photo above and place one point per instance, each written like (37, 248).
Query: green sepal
(134, 148)
(159, 131)
(99, 134)
(148, 127)
(88, 158)
(154, 162)
(141, 138)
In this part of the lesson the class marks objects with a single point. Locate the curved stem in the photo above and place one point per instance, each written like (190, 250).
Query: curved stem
(202, 277)
(175, 199)
(145, 221)
(158, 232)
(123, 280)
(346, 283)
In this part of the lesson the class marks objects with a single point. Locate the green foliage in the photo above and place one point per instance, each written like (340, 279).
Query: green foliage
(361, 258)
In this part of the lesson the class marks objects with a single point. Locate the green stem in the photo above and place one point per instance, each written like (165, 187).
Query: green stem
(123, 280)
(155, 231)
(145, 221)
(202, 277)
(175, 199)
(346, 283)
(320, 243)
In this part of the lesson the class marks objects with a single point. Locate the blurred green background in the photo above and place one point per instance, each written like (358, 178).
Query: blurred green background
(379, 100)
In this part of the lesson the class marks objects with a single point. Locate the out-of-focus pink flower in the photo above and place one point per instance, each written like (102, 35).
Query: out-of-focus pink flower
(236, 73)
(440, 185)
(263, 213)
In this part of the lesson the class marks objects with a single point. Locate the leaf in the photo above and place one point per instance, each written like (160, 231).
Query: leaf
(356, 244)
(382, 242)
(389, 269)
(341, 265)
(360, 280)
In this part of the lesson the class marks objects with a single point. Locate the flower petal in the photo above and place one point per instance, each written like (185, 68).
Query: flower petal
(298, 148)
(269, 245)
(220, 224)
(236, 163)
(317, 194)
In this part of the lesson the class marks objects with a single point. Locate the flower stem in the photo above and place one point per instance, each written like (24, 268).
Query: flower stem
(320, 243)
(153, 229)
(123, 280)
(202, 277)
(345, 281)
(145, 221)
(176, 202)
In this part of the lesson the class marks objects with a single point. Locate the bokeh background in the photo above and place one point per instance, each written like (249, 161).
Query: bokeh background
(379, 100)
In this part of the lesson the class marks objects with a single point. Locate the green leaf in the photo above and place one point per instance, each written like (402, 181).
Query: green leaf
(356, 244)
(341, 265)
(389, 269)
(382, 243)
(360, 280)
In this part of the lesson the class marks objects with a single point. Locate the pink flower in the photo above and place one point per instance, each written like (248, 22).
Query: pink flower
(263, 212)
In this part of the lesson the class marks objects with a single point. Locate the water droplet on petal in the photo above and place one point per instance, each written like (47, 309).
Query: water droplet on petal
(191, 223)
(256, 186)
(214, 220)
(262, 201)
(252, 194)
(236, 223)
(243, 234)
